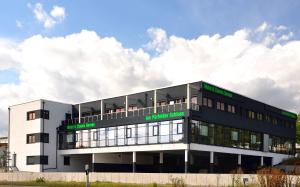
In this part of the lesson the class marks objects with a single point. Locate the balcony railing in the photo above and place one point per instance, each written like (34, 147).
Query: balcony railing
(132, 113)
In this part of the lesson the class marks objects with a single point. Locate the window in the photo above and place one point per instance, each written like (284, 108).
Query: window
(68, 116)
(268, 118)
(274, 121)
(31, 139)
(207, 102)
(131, 108)
(95, 135)
(251, 114)
(37, 137)
(253, 139)
(203, 130)
(77, 137)
(69, 138)
(171, 102)
(177, 100)
(179, 128)
(259, 116)
(234, 135)
(231, 109)
(194, 100)
(128, 132)
(66, 160)
(32, 160)
(31, 115)
(220, 106)
(155, 130)
(45, 114)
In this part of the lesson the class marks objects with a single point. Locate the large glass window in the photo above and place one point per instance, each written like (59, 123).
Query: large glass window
(102, 137)
(111, 134)
(177, 130)
(153, 132)
(165, 132)
(121, 135)
(142, 133)
(131, 135)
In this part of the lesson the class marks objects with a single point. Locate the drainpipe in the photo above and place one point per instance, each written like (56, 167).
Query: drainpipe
(43, 122)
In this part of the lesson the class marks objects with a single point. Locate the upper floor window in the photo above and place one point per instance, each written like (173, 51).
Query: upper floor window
(207, 102)
(131, 108)
(231, 109)
(220, 106)
(251, 114)
(268, 118)
(32, 115)
(275, 121)
(194, 100)
(259, 116)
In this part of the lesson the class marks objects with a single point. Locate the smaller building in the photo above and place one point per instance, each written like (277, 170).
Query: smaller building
(3, 151)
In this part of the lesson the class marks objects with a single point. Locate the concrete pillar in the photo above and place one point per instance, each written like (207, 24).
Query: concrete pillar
(133, 161)
(126, 105)
(272, 161)
(79, 113)
(261, 161)
(93, 162)
(188, 97)
(102, 112)
(186, 160)
(239, 162)
(211, 162)
(155, 101)
(161, 161)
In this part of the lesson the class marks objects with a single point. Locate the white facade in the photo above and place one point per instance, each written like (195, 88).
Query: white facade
(20, 127)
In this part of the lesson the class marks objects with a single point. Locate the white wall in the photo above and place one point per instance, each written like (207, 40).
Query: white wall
(20, 127)
(57, 114)
(77, 163)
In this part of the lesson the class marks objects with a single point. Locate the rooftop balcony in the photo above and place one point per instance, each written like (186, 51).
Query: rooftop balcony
(132, 113)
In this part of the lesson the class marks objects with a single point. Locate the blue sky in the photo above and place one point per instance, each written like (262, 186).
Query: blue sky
(129, 20)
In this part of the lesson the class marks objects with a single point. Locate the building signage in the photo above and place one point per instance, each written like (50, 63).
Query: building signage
(164, 115)
(217, 90)
(81, 126)
(289, 114)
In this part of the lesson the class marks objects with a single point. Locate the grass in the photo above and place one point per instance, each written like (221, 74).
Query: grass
(79, 184)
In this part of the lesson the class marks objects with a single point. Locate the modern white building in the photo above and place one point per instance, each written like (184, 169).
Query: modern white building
(195, 127)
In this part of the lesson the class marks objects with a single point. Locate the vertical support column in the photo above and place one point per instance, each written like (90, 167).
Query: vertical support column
(155, 101)
(188, 97)
(239, 161)
(79, 113)
(133, 161)
(126, 105)
(93, 162)
(272, 161)
(211, 162)
(101, 103)
(161, 161)
(261, 161)
(186, 160)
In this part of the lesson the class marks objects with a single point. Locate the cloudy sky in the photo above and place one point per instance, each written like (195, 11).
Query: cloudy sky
(75, 51)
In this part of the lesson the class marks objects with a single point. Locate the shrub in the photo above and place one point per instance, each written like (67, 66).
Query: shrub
(40, 180)
(177, 182)
(272, 177)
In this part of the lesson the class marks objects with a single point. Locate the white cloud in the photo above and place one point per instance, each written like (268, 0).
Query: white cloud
(57, 15)
(19, 24)
(263, 27)
(58, 12)
(83, 66)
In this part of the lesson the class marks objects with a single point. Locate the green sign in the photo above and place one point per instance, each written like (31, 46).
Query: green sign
(289, 114)
(164, 115)
(216, 90)
(81, 126)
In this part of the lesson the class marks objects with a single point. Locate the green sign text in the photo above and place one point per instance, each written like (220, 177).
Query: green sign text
(164, 115)
(216, 90)
(81, 126)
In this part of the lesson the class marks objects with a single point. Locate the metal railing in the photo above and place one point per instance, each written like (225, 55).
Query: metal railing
(131, 113)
